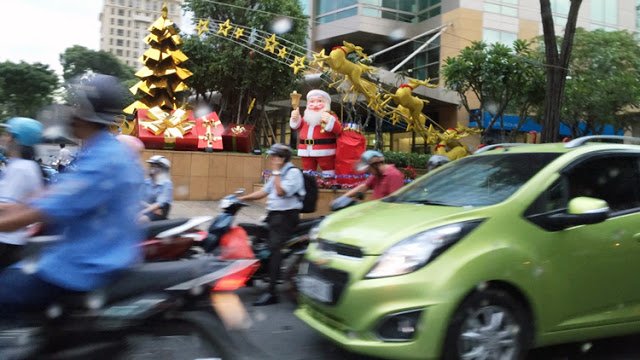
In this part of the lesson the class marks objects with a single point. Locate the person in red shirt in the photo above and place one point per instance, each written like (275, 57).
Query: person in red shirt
(384, 178)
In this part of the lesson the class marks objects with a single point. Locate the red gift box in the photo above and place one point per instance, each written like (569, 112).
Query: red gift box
(209, 130)
(158, 134)
(238, 138)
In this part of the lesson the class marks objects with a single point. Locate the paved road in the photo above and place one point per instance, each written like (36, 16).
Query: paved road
(277, 334)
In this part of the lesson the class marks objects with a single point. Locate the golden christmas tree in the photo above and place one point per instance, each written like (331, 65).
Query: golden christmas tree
(161, 77)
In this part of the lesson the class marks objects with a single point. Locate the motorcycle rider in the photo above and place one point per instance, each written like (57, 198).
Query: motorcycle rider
(21, 180)
(158, 190)
(383, 180)
(284, 192)
(95, 203)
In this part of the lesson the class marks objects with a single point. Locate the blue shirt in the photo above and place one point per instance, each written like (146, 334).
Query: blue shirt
(161, 193)
(96, 203)
(292, 183)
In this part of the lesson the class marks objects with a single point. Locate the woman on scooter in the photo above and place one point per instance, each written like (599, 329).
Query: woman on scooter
(21, 179)
(158, 190)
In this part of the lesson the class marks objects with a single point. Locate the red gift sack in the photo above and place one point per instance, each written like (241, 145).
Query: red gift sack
(350, 145)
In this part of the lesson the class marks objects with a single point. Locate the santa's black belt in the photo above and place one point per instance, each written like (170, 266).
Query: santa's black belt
(317, 141)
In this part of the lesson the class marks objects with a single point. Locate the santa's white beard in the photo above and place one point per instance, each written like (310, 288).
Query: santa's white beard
(313, 117)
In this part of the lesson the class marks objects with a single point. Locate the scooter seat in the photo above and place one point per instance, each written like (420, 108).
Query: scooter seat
(147, 277)
(154, 228)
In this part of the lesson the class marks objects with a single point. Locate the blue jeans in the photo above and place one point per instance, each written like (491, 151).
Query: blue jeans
(22, 292)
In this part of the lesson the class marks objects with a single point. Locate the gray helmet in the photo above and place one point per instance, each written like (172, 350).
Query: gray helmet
(435, 161)
(368, 158)
(160, 160)
(280, 150)
(97, 98)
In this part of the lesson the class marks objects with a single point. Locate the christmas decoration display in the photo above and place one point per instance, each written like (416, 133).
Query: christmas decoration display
(239, 138)
(161, 77)
(210, 132)
(160, 130)
(401, 106)
(317, 131)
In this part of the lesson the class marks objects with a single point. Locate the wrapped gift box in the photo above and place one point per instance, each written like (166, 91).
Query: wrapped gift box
(209, 130)
(239, 138)
(160, 130)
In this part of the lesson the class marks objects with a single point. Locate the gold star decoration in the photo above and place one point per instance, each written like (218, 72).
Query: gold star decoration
(224, 28)
(318, 58)
(298, 64)
(203, 26)
(270, 44)
(238, 33)
(282, 52)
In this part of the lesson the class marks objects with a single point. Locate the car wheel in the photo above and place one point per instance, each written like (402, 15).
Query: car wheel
(489, 324)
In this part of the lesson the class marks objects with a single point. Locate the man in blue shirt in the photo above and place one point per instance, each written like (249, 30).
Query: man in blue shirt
(96, 204)
(158, 190)
(284, 192)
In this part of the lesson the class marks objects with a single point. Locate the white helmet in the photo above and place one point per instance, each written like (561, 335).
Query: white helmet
(160, 161)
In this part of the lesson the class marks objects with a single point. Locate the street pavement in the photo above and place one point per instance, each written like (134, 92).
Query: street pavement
(275, 333)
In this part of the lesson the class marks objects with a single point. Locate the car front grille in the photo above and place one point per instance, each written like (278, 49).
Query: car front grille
(340, 249)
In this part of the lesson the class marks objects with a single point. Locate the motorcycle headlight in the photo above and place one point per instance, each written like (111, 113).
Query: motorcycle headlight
(417, 250)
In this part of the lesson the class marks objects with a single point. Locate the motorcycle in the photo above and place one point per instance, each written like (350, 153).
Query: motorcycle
(174, 239)
(292, 250)
(152, 299)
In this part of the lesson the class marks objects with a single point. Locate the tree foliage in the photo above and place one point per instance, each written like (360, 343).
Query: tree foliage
(77, 60)
(25, 88)
(603, 83)
(238, 73)
(497, 76)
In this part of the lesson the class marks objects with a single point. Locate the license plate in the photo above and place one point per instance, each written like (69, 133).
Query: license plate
(315, 288)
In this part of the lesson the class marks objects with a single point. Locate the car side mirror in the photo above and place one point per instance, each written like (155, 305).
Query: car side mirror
(581, 210)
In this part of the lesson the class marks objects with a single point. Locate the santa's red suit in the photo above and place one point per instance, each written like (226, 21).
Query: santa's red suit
(317, 143)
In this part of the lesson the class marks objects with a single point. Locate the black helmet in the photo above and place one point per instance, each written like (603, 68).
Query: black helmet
(97, 98)
(280, 150)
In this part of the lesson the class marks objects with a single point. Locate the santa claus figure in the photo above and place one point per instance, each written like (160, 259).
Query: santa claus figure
(317, 133)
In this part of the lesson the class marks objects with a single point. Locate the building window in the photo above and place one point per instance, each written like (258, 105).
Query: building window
(113, 11)
(428, 9)
(120, 32)
(604, 11)
(128, 43)
(119, 42)
(112, 21)
(121, 12)
(503, 7)
(128, 53)
(331, 10)
(128, 33)
(111, 31)
(129, 22)
(110, 41)
(121, 2)
(427, 63)
(119, 52)
(492, 36)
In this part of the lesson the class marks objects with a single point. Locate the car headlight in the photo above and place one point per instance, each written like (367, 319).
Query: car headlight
(417, 250)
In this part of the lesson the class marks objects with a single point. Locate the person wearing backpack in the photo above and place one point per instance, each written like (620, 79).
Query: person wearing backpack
(285, 192)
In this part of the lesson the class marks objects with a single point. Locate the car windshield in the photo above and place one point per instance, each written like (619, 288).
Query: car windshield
(475, 180)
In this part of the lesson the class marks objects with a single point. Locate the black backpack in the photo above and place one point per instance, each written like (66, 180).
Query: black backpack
(310, 199)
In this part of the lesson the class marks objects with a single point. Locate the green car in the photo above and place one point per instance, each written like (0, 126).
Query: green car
(485, 257)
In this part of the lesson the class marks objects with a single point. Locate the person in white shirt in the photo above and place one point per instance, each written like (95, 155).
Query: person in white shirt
(21, 179)
(64, 157)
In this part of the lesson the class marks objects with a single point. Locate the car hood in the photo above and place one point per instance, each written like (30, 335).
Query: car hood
(375, 226)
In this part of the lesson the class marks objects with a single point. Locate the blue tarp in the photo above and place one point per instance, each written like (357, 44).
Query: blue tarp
(511, 122)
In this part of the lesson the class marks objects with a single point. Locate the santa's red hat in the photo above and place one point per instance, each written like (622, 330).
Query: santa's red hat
(321, 93)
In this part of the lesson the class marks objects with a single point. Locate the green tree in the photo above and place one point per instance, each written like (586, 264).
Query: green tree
(557, 64)
(496, 75)
(239, 74)
(77, 60)
(25, 88)
(603, 83)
